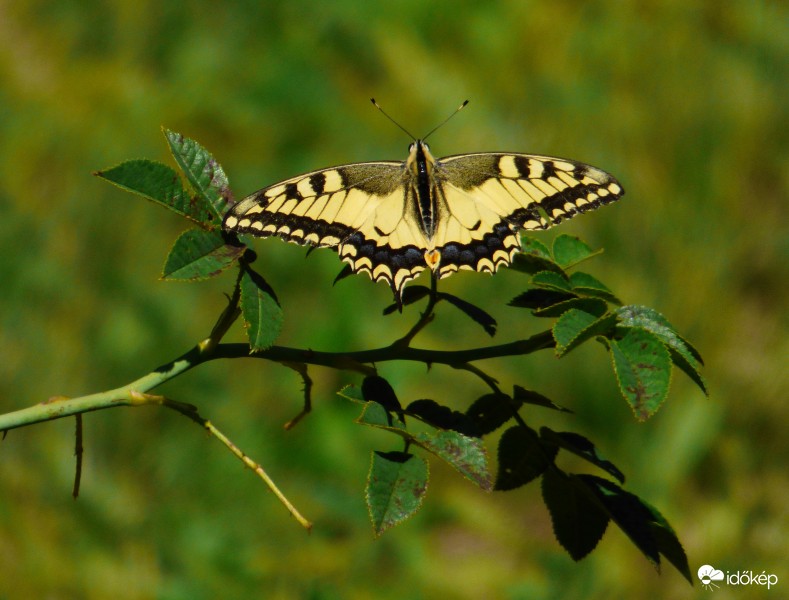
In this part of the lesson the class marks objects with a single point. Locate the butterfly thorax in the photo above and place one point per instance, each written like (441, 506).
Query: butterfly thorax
(420, 167)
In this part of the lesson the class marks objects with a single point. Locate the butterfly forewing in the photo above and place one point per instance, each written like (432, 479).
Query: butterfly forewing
(526, 186)
(372, 214)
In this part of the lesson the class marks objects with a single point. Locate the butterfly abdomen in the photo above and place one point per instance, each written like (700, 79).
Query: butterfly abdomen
(421, 164)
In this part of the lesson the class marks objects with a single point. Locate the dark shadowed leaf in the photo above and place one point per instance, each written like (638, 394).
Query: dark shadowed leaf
(377, 389)
(581, 446)
(668, 543)
(540, 299)
(522, 457)
(632, 516)
(491, 411)
(345, 272)
(411, 294)
(443, 417)
(476, 314)
(524, 396)
(594, 306)
(578, 520)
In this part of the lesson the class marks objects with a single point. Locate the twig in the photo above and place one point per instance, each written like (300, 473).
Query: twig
(78, 449)
(426, 317)
(191, 413)
(301, 369)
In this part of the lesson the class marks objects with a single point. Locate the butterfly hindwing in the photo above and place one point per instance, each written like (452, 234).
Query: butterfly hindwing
(392, 219)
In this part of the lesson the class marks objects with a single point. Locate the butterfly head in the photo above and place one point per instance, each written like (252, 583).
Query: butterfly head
(419, 157)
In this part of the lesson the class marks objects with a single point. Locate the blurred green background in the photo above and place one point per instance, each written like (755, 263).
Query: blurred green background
(686, 103)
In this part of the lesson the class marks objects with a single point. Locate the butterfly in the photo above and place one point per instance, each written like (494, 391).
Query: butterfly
(393, 219)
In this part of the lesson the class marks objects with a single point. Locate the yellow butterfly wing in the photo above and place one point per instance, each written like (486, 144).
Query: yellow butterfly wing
(487, 197)
(394, 219)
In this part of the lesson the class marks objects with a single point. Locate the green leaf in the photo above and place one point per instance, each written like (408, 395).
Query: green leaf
(534, 247)
(396, 486)
(643, 369)
(586, 285)
(551, 281)
(522, 457)
(262, 314)
(581, 446)
(375, 415)
(534, 257)
(649, 318)
(690, 368)
(464, 453)
(685, 356)
(569, 250)
(353, 393)
(524, 396)
(203, 172)
(199, 254)
(576, 326)
(578, 520)
(159, 183)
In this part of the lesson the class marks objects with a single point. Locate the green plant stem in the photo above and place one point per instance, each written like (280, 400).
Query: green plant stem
(127, 395)
(425, 318)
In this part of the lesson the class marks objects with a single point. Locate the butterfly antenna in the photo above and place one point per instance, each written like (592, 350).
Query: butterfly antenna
(442, 123)
(378, 106)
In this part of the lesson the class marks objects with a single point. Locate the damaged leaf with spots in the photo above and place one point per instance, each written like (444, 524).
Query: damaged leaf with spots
(203, 172)
(396, 486)
(643, 370)
(199, 254)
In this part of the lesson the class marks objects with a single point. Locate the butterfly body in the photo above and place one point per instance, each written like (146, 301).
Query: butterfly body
(394, 219)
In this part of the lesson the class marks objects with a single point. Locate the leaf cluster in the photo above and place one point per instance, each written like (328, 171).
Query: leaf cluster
(642, 345)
